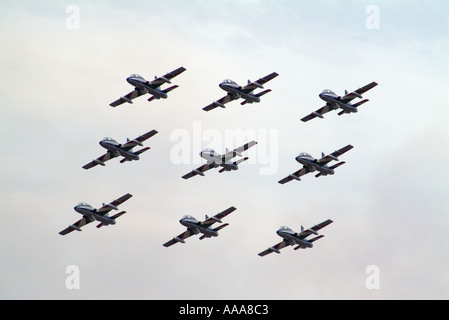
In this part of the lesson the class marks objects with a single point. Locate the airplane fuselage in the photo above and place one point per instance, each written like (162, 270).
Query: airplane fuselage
(212, 156)
(291, 237)
(312, 164)
(116, 149)
(335, 101)
(236, 91)
(141, 84)
(193, 224)
(91, 213)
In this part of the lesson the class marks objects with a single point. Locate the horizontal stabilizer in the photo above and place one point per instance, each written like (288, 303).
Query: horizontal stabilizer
(142, 150)
(316, 238)
(337, 165)
(240, 160)
(170, 89)
(360, 103)
(115, 216)
(263, 92)
(221, 226)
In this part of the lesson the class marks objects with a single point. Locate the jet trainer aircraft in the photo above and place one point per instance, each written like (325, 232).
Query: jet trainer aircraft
(90, 214)
(143, 86)
(235, 92)
(333, 102)
(195, 227)
(291, 238)
(116, 149)
(310, 164)
(215, 160)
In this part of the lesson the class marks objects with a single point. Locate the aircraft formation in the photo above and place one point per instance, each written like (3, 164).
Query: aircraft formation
(214, 159)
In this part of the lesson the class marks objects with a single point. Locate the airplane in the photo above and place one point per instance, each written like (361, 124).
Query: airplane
(195, 227)
(310, 164)
(235, 92)
(142, 86)
(333, 102)
(291, 238)
(90, 214)
(116, 149)
(215, 160)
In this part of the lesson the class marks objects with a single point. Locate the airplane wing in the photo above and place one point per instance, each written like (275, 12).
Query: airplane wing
(238, 151)
(166, 78)
(219, 103)
(275, 248)
(130, 96)
(314, 229)
(259, 83)
(200, 170)
(295, 175)
(76, 226)
(217, 218)
(113, 205)
(358, 93)
(179, 238)
(138, 141)
(334, 155)
(101, 160)
(318, 113)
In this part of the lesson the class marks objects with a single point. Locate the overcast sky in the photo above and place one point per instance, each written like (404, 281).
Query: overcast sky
(63, 62)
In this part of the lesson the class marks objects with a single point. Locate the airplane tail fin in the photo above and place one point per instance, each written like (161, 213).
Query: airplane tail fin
(115, 216)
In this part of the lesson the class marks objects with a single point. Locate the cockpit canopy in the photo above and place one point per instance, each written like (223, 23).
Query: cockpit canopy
(328, 91)
(304, 155)
(285, 228)
(188, 217)
(229, 81)
(84, 204)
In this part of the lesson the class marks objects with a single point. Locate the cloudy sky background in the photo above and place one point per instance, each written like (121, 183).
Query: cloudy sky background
(388, 202)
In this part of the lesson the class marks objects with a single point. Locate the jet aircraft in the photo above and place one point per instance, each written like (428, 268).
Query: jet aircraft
(291, 238)
(116, 149)
(195, 227)
(215, 160)
(310, 164)
(235, 92)
(90, 214)
(142, 86)
(333, 102)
